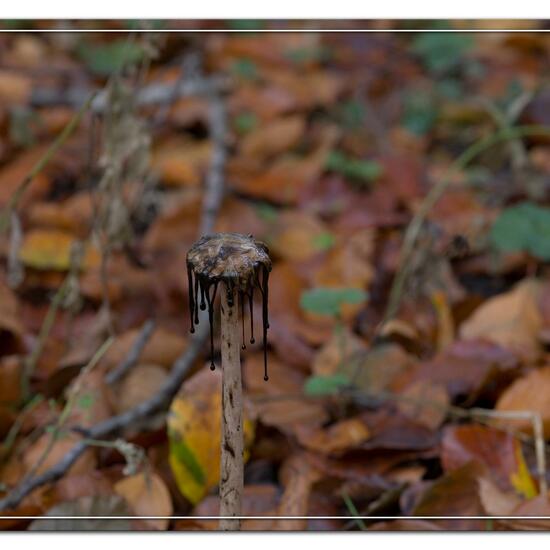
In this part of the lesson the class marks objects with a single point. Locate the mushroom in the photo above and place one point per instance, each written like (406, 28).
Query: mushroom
(242, 264)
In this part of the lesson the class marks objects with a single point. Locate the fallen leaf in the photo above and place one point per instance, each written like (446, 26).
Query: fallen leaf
(337, 352)
(162, 348)
(14, 88)
(294, 235)
(147, 495)
(140, 384)
(375, 370)
(273, 138)
(297, 476)
(463, 368)
(499, 451)
(51, 249)
(426, 403)
(454, 494)
(181, 161)
(349, 265)
(341, 436)
(511, 320)
(91, 403)
(194, 428)
(34, 453)
(529, 393)
(11, 327)
(280, 403)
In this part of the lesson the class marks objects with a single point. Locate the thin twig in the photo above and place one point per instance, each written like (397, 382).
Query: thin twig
(132, 358)
(154, 94)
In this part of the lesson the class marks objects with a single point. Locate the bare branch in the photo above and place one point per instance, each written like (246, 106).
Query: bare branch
(132, 358)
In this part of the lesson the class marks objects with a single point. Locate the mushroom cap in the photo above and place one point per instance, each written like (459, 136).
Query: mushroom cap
(229, 257)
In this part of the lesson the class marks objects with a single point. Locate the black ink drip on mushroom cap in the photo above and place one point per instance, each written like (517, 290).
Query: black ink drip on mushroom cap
(242, 264)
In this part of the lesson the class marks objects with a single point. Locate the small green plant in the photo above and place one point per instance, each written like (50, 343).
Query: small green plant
(355, 169)
(106, 59)
(328, 301)
(441, 52)
(325, 385)
(523, 228)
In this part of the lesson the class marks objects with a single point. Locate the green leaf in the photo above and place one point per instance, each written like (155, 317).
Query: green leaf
(245, 122)
(106, 59)
(325, 385)
(420, 113)
(365, 170)
(523, 228)
(267, 212)
(327, 301)
(324, 241)
(245, 24)
(352, 113)
(245, 69)
(441, 52)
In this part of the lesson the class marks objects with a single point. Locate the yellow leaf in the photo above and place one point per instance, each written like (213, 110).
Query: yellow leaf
(51, 249)
(521, 480)
(194, 428)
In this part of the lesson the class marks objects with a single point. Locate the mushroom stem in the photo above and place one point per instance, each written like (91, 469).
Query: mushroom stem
(231, 478)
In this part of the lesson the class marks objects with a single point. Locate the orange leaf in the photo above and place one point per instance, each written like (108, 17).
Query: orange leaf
(148, 495)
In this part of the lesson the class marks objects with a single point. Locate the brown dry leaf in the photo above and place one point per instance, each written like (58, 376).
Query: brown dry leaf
(463, 368)
(318, 88)
(17, 170)
(454, 494)
(91, 404)
(499, 451)
(349, 265)
(529, 393)
(273, 138)
(176, 224)
(337, 438)
(512, 320)
(425, 402)
(286, 178)
(10, 380)
(60, 448)
(181, 161)
(295, 235)
(72, 215)
(147, 495)
(375, 370)
(162, 348)
(337, 352)
(10, 321)
(50, 249)
(140, 384)
(14, 88)
(495, 501)
(279, 403)
(298, 476)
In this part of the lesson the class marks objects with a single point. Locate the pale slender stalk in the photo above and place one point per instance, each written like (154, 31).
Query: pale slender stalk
(231, 474)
